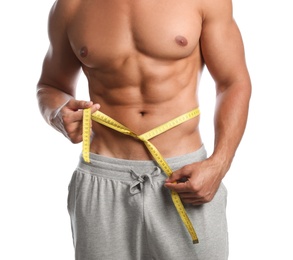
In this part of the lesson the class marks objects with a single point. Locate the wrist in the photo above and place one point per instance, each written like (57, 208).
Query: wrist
(56, 118)
(222, 161)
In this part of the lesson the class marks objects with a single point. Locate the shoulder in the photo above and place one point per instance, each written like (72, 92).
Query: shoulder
(62, 11)
(60, 15)
(216, 9)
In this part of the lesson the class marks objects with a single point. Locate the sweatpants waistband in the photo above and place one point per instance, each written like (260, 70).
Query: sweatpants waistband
(99, 163)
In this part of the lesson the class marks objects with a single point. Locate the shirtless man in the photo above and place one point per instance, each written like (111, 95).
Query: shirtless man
(143, 62)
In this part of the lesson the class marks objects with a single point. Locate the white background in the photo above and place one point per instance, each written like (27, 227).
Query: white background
(37, 162)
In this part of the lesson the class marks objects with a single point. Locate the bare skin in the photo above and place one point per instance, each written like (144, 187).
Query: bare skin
(143, 61)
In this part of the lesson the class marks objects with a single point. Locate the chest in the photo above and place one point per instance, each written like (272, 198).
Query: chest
(116, 30)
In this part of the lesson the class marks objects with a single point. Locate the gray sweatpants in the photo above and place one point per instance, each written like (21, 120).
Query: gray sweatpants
(119, 209)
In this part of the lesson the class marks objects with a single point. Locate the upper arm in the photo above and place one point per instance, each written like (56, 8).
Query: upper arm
(221, 44)
(61, 67)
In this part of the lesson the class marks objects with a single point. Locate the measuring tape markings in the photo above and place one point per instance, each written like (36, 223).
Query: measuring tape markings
(174, 195)
(105, 120)
(86, 132)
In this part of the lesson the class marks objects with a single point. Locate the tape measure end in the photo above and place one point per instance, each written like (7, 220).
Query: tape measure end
(195, 241)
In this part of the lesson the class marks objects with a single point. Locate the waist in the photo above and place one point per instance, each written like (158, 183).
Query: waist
(125, 147)
(122, 165)
(178, 136)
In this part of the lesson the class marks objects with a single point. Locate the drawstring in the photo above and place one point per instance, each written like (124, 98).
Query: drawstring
(139, 179)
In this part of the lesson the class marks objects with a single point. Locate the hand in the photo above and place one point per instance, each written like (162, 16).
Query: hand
(196, 183)
(68, 120)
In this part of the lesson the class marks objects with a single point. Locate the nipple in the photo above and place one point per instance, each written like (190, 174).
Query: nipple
(180, 40)
(83, 52)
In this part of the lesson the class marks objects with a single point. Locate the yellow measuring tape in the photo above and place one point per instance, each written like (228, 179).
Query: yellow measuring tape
(105, 120)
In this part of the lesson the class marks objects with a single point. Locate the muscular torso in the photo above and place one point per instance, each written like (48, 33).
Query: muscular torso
(143, 62)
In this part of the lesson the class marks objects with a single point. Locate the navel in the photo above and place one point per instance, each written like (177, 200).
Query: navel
(83, 52)
(142, 113)
(180, 40)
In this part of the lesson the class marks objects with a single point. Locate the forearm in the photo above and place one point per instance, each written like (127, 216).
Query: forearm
(230, 121)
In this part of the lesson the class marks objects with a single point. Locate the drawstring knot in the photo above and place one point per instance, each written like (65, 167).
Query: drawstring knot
(139, 179)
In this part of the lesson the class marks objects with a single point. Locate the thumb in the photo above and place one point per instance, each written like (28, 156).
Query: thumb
(178, 175)
(95, 107)
(75, 105)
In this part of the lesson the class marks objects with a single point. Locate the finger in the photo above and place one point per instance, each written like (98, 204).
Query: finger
(178, 175)
(95, 107)
(189, 195)
(89, 104)
(194, 202)
(74, 104)
(192, 198)
(72, 117)
(178, 187)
